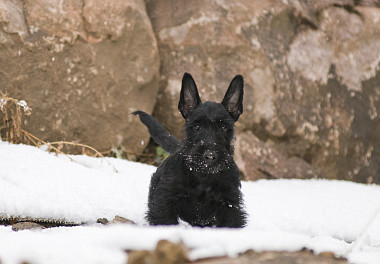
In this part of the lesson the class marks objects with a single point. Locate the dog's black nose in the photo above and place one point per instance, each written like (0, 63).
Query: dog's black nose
(209, 155)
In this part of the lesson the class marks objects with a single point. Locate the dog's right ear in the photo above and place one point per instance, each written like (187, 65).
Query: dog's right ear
(189, 97)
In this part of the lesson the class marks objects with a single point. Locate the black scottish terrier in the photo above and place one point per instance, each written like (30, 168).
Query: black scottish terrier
(199, 182)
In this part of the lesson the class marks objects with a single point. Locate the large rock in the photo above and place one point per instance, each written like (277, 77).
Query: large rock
(335, 83)
(205, 38)
(311, 71)
(83, 66)
(259, 160)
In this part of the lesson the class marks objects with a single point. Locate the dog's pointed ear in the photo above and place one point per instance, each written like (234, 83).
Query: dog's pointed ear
(189, 97)
(233, 99)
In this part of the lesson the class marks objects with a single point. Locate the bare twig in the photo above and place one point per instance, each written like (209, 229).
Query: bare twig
(57, 150)
(83, 146)
(360, 240)
(31, 136)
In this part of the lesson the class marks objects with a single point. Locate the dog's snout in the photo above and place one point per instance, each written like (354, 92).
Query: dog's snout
(209, 155)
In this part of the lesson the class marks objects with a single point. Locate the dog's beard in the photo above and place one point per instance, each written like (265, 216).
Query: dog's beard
(195, 162)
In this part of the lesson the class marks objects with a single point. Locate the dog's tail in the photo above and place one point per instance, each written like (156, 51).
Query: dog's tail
(159, 134)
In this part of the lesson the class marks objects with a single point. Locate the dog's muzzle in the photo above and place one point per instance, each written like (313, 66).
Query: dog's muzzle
(210, 155)
(208, 159)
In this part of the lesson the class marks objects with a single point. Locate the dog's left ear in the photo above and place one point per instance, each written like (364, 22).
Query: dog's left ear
(233, 99)
(189, 97)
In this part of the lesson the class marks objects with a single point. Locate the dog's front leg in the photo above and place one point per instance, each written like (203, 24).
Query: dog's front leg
(162, 211)
(231, 216)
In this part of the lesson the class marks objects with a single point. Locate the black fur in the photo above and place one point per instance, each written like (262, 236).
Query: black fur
(159, 134)
(200, 182)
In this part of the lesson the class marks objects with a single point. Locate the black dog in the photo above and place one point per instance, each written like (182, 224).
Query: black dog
(200, 182)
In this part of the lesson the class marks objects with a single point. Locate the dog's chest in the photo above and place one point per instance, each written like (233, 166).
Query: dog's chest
(200, 203)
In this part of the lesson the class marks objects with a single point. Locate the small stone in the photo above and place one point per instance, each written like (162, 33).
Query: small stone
(166, 252)
(140, 257)
(26, 226)
(118, 219)
(170, 253)
(102, 221)
(327, 254)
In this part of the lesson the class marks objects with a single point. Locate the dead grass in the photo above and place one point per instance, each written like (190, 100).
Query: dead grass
(12, 111)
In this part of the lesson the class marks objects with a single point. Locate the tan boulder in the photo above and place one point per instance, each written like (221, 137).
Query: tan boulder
(83, 67)
(311, 73)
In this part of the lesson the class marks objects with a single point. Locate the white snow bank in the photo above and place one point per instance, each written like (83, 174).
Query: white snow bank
(37, 184)
(284, 214)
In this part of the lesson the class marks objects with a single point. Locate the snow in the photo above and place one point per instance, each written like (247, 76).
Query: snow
(322, 215)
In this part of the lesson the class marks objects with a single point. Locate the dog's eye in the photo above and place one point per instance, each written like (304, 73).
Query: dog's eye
(196, 127)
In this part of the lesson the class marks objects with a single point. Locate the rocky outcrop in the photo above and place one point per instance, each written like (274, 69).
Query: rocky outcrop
(311, 70)
(335, 76)
(83, 66)
(311, 80)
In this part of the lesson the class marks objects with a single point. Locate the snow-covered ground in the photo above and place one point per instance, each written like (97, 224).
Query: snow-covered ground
(320, 215)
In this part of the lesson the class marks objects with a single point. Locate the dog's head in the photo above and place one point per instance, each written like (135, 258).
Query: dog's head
(209, 126)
